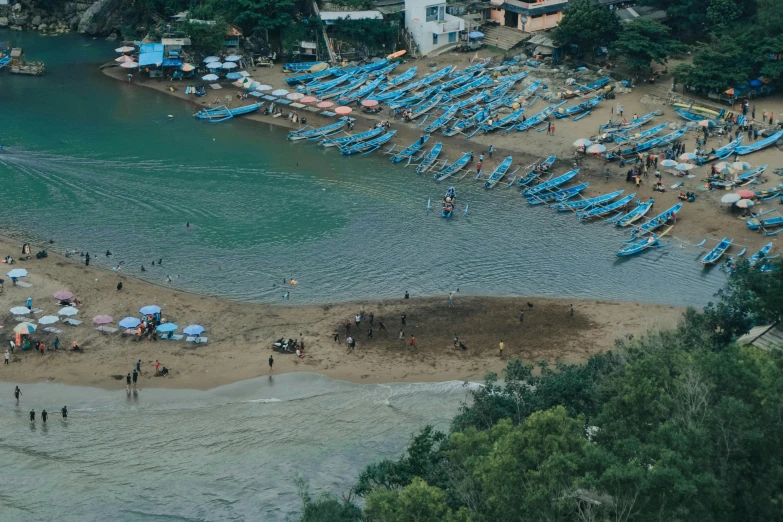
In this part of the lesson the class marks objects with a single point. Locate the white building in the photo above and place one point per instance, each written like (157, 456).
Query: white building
(430, 26)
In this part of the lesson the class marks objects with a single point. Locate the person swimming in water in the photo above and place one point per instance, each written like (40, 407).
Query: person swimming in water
(32, 415)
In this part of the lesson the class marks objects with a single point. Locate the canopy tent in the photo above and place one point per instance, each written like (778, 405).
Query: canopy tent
(172, 62)
(166, 327)
(151, 54)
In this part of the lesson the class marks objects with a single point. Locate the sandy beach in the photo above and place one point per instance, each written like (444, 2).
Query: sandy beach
(241, 334)
(706, 218)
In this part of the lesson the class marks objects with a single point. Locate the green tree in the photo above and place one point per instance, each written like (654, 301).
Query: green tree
(586, 26)
(716, 67)
(265, 15)
(206, 38)
(722, 14)
(417, 502)
(644, 41)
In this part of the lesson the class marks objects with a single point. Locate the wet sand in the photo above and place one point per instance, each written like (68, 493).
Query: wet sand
(241, 334)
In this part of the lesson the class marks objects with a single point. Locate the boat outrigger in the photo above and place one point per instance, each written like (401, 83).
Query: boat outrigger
(223, 113)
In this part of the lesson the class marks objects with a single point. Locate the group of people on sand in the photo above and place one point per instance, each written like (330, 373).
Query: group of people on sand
(148, 327)
(361, 318)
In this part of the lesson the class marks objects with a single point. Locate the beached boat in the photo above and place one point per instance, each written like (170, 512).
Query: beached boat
(456, 81)
(640, 135)
(586, 204)
(691, 112)
(426, 106)
(307, 78)
(619, 126)
(411, 149)
(721, 153)
(475, 84)
(223, 113)
(452, 169)
(578, 109)
(416, 98)
(466, 124)
(343, 90)
(536, 118)
(383, 72)
(361, 93)
(527, 92)
(499, 124)
(537, 171)
(365, 147)
(689, 116)
(300, 66)
(5, 60)
(481, 64)
(760, 255)
(636, 214)
(740, 181)
(590, 87)
(552, 183)
(716, 253)
(430, 158)
(317, 87)
(758, 224)
(514, 78)
(434, 77)
(655, 142)
(399, 80)
(761, 144)
(658, 221)
(641, 245)
(442, 121)
(347, 140)
(476, 98)
(498, 173)
(306, 134)
(595, 212)
(558, 195)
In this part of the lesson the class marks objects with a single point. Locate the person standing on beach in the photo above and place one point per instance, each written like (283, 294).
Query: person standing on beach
(413, 341)
(336, 337)
(135, 377)
(402, 340)
(451, 299)
(521, 316)
(347, 327)
(381, 326)
(491, 150)
(30, 303)
(369, 333)
(372, 318)
(456, 339)
(138, 366)
(407, 295)
(17, 393)
(157, 364)
(7, 356)
(403, 317)
(478, 168)
(358, 319)
(571, 312)
(87, 259)
(271, 362)
(501, 345)
(44, 416)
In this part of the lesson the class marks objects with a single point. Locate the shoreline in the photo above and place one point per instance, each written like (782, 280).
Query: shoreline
(241, 334)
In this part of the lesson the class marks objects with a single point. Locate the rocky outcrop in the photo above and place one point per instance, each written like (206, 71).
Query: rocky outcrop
(102, 18)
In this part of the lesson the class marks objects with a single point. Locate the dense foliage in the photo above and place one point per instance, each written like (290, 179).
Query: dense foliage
(679, 425)
(586, 26)
(642, 42)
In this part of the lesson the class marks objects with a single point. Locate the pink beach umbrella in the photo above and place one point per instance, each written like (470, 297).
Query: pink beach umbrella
(123, 59)
(124, 49)
(129, 65)
(343, 110)
(295, 96)
(308, 99)
(102, 319)
(369, 103)
(62, 295)
(325, 105)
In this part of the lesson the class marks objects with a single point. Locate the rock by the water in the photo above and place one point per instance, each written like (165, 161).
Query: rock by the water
(3, 21)
(36, 21)
(101, 18)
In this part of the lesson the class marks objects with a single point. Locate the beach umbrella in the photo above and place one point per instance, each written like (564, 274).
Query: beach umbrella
(210, 77)
(68, 310)
(722, 164)
(741, 165)
(244, 73)
(48, 319)
(308, 99)
(234, 76)
(194, 329)
(17, 273)
(730, 198)
(724, 169)
(279, 92)
(124, 49)
(229, 65)
(129, 65)
(746, 194)
(150, 309)
(475, 34)
(687, 156)
(166, 327)
(210, 59)
(129, 322)
(343, 110)
(706, 123)
(102, 319)
(369, 103)
(596, 149)
(214, 65)
(187, 67)
(123, 59)
(683, 167)
(295, 96)
(238, 83)
(233, 58)
(325, 105)
(20, 310)
(62, 295)
(263, 88)
(668, 163)
(582, 142)
(744, 203)
(24, 328)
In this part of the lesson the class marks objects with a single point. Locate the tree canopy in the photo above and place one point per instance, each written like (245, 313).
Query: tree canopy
(587, 26)
(644, 41)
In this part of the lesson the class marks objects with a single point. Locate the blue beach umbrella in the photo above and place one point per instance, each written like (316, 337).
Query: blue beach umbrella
(194, 329)
(17, 273)
(210, 77)
(129, 322)
(235, 76)
(214, 65)
(149, 310)
(210, 59)
(233, 58)
(475, 34)
(166, 327)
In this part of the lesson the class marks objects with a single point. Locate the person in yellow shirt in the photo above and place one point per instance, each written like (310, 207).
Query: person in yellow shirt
(501, 346)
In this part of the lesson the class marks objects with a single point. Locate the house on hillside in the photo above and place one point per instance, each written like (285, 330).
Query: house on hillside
(431, 26)
(532, 16)
(233, 36)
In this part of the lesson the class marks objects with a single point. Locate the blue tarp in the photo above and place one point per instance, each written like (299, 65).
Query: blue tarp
(151, 48)
(172, 62)
(150, 54)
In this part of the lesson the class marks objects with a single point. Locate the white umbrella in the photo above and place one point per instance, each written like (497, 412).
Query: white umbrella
(233, 58)
(20, 310)
(48, 319)
(279, 92)
(129, 65)
(67, 311)
(210, 77)
(730, 198)
(741, 165)
(262, 88)
(214, 65)
(229, 65)
(210, 59)
(682, 167)
(582, 142)
(687, 156)
(596, 149)
(17, 273)
(668, 163)
(124, 49)
(744, 203)
(244, 73)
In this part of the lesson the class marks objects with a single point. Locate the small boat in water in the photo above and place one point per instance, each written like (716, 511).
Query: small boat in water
(651, 241)
(658, 221)
(430, 158)
(453, 168)
(636, 214)
(552, 183)
(499, 172)
(607, 209)
(537, 171)
(223, 113)
(365, 147)
(716, 253)
(760, 255)
(411, 149)
(448, 202)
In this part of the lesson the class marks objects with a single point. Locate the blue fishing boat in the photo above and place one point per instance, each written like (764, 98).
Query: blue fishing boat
(456, 81)
(305, 134)
(481, 64)
(498, 173)
(306, 78)
(223, 113)
(636, 214)
(425, 106)
(354, 83)
(442, 121)
(513, 78)
(359, 94)
(430, 158)
(617, 125)
(552, 183)
(716, 253)
(466, 124)
(453, 168)
(527, 92)
(436, 76)
(411, 149)
(475, 84)
(586, 204)
(382, 73)
(399, 80)
(476, 98)
(536, 118)
(5, 60)
(636, 247)
(449, 200)
(577, 109)
(760, 255)
(558, 195)
(499, 124)
(299, 66)
(638, 136)
(762, 144)
(655, 142)
(416, 98)
(353, 138)
(598, 84)
(318, 87)
(691, 116)
(365, 147)
(658, 221)
(757, 224)
(606, 209)
(537, 171)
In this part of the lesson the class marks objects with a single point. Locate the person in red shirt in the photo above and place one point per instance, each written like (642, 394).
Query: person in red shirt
(413, 341)
(157, 364)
